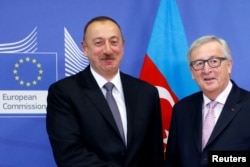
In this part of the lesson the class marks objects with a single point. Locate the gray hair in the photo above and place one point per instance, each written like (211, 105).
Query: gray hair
(208, 38)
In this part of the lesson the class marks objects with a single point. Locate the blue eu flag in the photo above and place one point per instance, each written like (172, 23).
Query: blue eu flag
(27, 71)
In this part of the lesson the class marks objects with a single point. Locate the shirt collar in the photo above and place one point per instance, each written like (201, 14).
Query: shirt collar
(102, 81)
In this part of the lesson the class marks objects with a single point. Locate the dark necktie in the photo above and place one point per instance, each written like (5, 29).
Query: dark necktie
(114, 108)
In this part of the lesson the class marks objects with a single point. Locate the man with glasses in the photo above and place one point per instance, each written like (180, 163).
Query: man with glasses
(217, 118)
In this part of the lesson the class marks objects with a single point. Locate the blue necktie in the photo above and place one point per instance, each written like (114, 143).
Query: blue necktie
(114, 108)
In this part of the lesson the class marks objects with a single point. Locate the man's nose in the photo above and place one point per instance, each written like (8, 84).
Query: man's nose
(206, 68)
(107, 47)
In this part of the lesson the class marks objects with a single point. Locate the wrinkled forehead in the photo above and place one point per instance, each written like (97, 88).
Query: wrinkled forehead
(102, 29)
(206, 50)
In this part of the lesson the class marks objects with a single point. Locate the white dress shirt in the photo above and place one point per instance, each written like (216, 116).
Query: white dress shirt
(221, 99)
(117, 93)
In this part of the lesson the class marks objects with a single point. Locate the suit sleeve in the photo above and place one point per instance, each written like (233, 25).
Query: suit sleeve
(157, 137)
(172, 156)
(64, 133)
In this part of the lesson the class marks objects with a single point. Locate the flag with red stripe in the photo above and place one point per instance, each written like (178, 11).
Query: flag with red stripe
(165, 63)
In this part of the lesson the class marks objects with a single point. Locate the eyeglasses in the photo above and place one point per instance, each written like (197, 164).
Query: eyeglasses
(212, 62)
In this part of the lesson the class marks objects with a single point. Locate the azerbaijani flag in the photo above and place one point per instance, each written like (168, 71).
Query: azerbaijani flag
(165, 64)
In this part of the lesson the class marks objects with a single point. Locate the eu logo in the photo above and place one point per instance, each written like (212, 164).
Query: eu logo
(27, 71)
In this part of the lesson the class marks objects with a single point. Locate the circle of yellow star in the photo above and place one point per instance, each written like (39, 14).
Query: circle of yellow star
(21, 81)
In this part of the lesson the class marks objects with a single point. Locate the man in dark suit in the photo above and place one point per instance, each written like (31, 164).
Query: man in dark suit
(80, 124)
(189, 138)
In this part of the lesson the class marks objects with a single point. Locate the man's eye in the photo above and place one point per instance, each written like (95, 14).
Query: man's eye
(98, 43)
(214, 61)
(198, 63)
(114, 42)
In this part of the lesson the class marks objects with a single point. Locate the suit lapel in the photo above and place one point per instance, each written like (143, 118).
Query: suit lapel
(196, 118)
(130, 98)
(229, 111)
(95, 95)
(100, 103)
(129, 89)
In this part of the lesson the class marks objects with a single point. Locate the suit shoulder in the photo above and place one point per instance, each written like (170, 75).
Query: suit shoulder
(190, 98)
(244, 92)
(68, 81)
(133, 81)
(245, 95)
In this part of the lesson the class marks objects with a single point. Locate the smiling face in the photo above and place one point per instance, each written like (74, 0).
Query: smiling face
(212, 81)
(104, 47)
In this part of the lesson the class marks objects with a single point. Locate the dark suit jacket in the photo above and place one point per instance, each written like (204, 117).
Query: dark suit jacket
(83, 132)
(231, 131)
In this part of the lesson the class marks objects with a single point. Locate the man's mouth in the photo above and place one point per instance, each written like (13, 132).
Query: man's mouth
(208, 79)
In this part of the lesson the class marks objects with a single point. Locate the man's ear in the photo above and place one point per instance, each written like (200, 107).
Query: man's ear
(84, 48)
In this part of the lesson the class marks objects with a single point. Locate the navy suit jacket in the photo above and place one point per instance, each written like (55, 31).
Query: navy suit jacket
(231, 131)
(82, 130)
